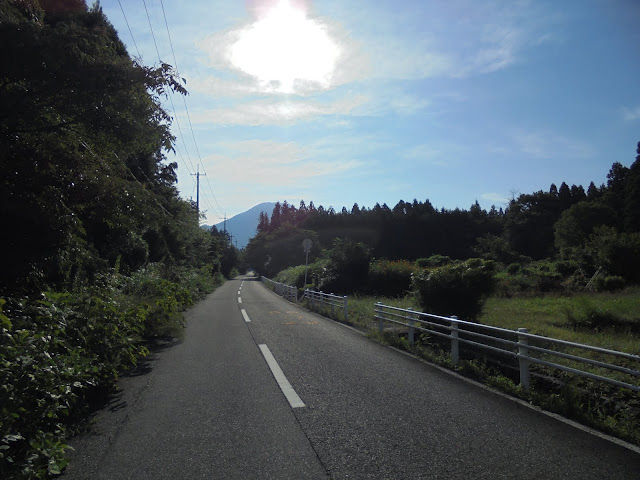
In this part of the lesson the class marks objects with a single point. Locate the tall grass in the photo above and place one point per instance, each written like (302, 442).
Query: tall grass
(608, 320)
(361, 308)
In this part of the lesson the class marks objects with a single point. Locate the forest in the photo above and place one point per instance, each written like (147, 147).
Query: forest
(579, 231)
(100, 253)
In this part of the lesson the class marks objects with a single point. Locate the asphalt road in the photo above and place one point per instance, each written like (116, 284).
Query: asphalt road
(211, 407)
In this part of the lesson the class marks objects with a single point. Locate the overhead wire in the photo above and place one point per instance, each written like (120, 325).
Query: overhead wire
(195, 143)
(130, 32)
(170, 96)
(175, 146)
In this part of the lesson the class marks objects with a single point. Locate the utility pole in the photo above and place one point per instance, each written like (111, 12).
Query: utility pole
(197, 175)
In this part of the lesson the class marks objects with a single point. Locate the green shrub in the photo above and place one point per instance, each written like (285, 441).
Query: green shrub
(56, 352)
(348, 268)
(617, 253)
(292, 276)
(548, 282)
(609, 284)
(459, 288)
(60, 350)
(595, 318)
(390, 278)
(513, 268)
(433, 261)
(566, 268)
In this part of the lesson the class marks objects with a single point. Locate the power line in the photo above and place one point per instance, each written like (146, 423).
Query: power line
(195, 143)
(169, 91)
(171, 99)
(130, 32)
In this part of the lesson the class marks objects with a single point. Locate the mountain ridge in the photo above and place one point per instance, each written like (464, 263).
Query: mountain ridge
(243, 225)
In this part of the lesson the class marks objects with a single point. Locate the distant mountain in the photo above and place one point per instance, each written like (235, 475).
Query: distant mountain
(243, 226)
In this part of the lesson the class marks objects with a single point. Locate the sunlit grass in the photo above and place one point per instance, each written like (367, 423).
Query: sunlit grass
(551, 317)
(361, 308)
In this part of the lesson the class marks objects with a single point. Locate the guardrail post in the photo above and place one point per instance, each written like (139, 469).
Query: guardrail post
(378, 309)
(346, 309)
(455, 348)
(523, 350)
(411, 334)
(333, 305)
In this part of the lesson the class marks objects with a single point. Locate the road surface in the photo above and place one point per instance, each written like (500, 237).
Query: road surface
(261, 389)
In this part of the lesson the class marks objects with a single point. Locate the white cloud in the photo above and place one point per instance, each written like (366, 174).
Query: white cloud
(278, 112)
(460, 39)
(457, 39)
(272, 164)
(495, 198)
(631, 114)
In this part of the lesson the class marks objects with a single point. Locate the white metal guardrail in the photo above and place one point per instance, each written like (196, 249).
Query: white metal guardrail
(285, 291)
(330, 300)
(526, 347)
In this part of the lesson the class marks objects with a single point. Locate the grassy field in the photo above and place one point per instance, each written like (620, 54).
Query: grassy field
(608, 320)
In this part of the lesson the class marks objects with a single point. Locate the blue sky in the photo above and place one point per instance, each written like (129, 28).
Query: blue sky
(345, 101)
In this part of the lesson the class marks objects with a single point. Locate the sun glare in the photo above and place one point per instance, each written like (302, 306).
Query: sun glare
(285, 47)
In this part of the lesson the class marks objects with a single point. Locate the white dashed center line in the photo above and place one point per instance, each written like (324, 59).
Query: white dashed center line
(244, 314)
(285, 386)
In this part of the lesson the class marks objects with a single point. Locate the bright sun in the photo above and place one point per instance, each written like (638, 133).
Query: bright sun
(284, 47)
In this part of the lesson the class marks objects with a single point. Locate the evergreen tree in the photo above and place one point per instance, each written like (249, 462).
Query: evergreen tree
(632, 196)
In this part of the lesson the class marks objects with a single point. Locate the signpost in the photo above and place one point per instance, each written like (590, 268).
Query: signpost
(306, 244)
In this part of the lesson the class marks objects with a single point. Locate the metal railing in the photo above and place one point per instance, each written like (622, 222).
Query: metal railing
(527, 348)
(285, 291)
(330, 300)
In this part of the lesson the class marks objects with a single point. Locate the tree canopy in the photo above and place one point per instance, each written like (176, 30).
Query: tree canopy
(84, 179)
(538, 225)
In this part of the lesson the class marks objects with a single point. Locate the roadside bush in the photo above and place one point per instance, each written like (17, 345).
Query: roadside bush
(390, 278)
(459, 288)
(164, 299)
(59, 351)
(618, 253)
(508, 286)
(54, 352)
(513, 268)
(609, 284)
(566, 268)
(348, 267)
(433, 261)
(292, 276)
(548, 282)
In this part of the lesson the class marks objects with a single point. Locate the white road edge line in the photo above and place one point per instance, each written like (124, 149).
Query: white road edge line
(285, 386)
(239, 300)
(244, 314)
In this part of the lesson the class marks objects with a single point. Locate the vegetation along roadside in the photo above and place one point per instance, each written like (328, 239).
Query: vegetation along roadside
(100, 253)
(543, 296)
